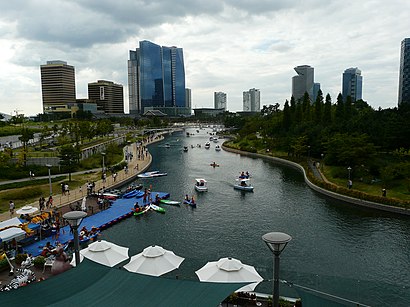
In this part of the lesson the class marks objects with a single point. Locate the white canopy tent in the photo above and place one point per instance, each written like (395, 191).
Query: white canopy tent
(13, 232)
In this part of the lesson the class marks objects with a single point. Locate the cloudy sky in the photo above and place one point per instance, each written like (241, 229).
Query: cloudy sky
(229, 45)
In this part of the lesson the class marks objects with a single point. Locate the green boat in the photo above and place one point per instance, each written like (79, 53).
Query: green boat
(169, 202)
(146, 208)
(157, 208)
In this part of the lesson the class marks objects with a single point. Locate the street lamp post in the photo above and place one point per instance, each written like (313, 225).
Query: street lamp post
(276, 241)
(321, 161)
(49, 178)
(349, 169)
(74, 218)
(103, 165)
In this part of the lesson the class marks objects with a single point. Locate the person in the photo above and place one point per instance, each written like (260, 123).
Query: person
(136, 206)
(11, 206)
(193, 200)
(384, 192)
(157, 199)
(67, 189)
(61, 263)
(349, 184)
(50, 202)
(47, 250)
(186, 197)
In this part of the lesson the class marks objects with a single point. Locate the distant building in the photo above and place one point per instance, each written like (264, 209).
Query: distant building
(188, 98)
(108, 96)
(58, 87)
(316, 89)
(220, 100)
(252, 100)
(404, 75)
(352, 84)
(303, 82)
(87, 105)
(199, 112)
(156, 78)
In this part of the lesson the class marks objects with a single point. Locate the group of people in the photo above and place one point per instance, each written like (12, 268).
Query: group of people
(189, 200)
(43, 204)
(85, 233)
(244, 175)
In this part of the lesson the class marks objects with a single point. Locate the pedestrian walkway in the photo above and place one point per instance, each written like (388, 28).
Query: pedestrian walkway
(135, 166)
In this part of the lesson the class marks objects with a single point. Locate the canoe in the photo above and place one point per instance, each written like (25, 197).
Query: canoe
(151, 174)
(157, 208)
(146, 208)
(169, 202)
(188, 202)
(130, 194)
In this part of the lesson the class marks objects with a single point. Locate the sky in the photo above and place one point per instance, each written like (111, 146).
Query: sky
(229, 45)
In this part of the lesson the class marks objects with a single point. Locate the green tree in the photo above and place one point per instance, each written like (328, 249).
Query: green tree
(25, 137)
(327, 111)
(69, 158)
(319, 107)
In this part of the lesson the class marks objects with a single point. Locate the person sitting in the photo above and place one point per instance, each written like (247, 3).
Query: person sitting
(157, 199)
(186, 197)
(85, 230)
(243, 183)
(47, 250)
(136, 206)
(193, 200)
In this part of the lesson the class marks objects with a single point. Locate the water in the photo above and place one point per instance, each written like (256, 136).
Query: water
(349, 252)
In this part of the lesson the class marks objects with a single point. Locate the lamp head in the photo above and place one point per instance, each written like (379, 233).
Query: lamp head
(276, 241)
(74, 218)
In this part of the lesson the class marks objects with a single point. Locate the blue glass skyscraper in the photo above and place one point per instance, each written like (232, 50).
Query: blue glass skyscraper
(156, 77)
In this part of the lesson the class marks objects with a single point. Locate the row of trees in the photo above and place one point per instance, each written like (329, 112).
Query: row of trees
(345, 133)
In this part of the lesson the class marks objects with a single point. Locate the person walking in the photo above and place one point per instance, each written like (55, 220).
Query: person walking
(11, 206)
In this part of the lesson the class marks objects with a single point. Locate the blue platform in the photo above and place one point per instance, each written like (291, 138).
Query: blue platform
(119, 210)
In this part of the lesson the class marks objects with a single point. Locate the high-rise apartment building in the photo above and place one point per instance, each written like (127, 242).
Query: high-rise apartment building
(352, 84)
(220, 100)
(404, 75)
(57, 86)
(108, 95)
(303, 82)
(252, 100)
(156, 78)
(188, 98)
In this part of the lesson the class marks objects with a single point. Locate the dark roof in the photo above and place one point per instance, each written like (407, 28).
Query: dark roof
(92, 284)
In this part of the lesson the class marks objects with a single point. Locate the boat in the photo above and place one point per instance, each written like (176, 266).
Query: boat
(167, 145)
(91, 237)
(217, 148)
(243, 184)
(187, 134)
(185, 148)
(201, 185)
(169, 202)
(215, 140)
(157, 208)
(130, 194)
(151, 174)
(189, 202)
(110, 196)
(144, 209)
(207, 145)
(213, 164)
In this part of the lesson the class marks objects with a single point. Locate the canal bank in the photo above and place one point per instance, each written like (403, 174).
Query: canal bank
(341, 197)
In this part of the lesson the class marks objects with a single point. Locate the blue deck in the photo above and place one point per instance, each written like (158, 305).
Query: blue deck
(119, 210)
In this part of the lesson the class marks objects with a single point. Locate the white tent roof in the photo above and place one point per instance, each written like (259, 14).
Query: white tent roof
(11, 233)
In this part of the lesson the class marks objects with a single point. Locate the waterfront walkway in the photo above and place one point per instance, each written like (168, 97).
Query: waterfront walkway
(135, 167)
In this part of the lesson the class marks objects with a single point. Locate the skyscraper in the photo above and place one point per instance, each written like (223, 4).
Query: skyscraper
(156, 77)
(220, 100)
(57, 86)
(404, 76)
(303, 82)
(108, 95)
(188, 98)
(252, 100)
(352, 84)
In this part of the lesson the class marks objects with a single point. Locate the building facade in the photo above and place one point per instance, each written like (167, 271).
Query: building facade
(188, 98)
(252, 100)
(352, 84)
(220, 100)
(303, 82)
(108, 96)
(404, 75)
(57, 86)
(156, 77)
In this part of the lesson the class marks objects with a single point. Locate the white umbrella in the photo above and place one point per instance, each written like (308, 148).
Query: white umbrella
(155, 261)
(73, 260)
(27, 210)
(230, 270)
(105, 253)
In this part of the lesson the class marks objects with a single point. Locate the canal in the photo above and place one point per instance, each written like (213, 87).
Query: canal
(354, 253)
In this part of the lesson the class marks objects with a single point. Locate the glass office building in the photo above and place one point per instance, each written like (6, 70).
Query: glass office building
(404, 76)
(352, 84)
(156, 77)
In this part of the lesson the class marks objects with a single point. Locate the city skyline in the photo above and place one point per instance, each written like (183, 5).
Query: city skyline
(227, 46)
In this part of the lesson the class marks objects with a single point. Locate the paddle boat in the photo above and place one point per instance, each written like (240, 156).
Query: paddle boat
(215, 139)
(157, 208)
(151, 174)
(201, 185)
(190, 202)
(213, 164)
(185, 148)
(167, 145)
(207, 145)
(243, 184)
(169, 202)
(217, 148)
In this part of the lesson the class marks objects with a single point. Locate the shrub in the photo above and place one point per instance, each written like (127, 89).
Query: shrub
(4, 265)
(39, 262)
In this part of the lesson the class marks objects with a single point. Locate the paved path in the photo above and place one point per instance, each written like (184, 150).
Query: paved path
(135, 167)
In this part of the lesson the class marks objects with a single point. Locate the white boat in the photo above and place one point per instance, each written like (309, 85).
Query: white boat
(207, 145)
(243, 184)
(218, 148)
(167, 145)
(215, 139)
(201, 185)
(151, 174)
